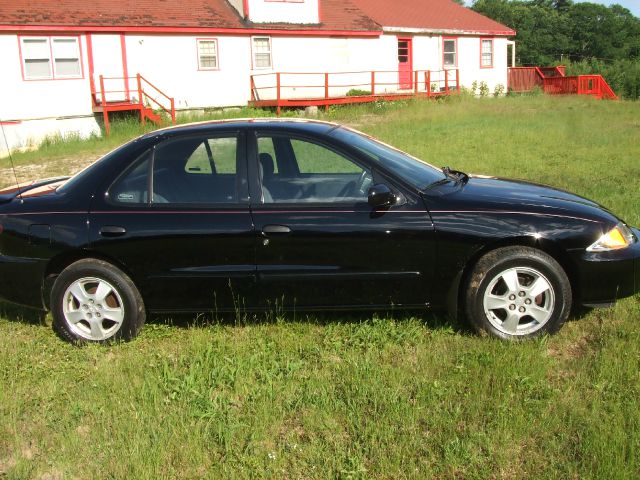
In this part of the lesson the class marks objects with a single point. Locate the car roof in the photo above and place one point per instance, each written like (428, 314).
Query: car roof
(300, 124)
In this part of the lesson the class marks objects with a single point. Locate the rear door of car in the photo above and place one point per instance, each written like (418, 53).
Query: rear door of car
(190, 244)
(320, 245)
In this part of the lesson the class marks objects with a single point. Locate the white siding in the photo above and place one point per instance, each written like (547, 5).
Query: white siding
(26, 99)
(469, 63)
(171, 63)
(44, 107)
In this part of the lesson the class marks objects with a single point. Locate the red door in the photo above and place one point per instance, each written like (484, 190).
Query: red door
(405, 63)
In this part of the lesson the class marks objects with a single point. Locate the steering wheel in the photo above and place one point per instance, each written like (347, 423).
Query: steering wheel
(364, 182)
(356, 187)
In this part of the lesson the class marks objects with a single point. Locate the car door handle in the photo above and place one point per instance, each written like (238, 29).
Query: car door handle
(275, 230)
(112, 231)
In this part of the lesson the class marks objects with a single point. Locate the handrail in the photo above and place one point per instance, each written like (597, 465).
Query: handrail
(335, 85)
(142, 87)
(154, 87)
(351, 72)
(416, 82)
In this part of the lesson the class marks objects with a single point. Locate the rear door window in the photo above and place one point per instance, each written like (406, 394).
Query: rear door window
(190, 170)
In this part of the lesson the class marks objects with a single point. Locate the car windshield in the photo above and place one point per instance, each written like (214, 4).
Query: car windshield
(413, 170)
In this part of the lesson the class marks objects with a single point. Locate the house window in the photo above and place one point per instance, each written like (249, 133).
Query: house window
(450, 52)
(261, 52)
(486, 53)
(50, 57)
(208, 54)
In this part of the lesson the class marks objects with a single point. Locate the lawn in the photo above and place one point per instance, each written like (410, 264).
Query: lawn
(350, 397)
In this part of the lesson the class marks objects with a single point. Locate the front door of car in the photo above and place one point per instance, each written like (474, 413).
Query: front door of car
(190, 244)
(320, 244)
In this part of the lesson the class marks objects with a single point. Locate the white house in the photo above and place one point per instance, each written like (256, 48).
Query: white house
(63, 60)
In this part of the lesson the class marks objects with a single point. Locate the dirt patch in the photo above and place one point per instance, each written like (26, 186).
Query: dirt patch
(6, 464)
(34, 171)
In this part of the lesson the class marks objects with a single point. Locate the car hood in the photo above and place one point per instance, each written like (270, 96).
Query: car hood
(492, 193)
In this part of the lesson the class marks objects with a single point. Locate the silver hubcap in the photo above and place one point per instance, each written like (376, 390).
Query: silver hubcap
(519, 301)
(93, 309)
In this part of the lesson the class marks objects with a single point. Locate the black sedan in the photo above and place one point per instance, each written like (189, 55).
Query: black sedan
(302, 215)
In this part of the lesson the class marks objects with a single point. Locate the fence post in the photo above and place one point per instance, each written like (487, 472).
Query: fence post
(139, 80)
(278, 94)
(373, 83)
(415, 82)
(427, 82)
(446, 81)
(143, 118)
(457, 80)
(326, 86)
(105, 112)
(326, 91)
(173, 111)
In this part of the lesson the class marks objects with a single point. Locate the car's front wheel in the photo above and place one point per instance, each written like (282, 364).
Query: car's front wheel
(93, 301)
(517, 293)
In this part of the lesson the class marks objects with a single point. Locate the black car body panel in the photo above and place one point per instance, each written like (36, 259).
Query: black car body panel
(246, 253)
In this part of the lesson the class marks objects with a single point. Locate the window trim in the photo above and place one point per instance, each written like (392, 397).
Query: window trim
(52, 68)
(482, 40)
(455, 42)
(198, 57)
(253, 53)
(242, 191)
(241, 172)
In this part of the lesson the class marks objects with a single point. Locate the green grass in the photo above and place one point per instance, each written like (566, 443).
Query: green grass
(354, 397)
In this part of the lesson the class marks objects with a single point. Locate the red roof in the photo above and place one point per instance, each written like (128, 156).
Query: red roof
(163, 15)
(431, 15)
(360, 17)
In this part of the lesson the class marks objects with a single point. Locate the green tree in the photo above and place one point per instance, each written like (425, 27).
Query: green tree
(552, 30)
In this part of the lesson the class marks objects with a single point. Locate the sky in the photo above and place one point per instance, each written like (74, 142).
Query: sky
(632, 5)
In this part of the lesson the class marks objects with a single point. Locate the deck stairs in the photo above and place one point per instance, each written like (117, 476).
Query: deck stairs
(131, 94)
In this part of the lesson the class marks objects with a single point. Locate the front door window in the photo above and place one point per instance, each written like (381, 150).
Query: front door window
(301, 171)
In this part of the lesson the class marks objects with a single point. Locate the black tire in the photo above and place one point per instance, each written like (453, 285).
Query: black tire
(520, 312)
(118, 315)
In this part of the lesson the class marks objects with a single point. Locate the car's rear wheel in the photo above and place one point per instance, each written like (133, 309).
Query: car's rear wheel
(517, 293)
(93, 301)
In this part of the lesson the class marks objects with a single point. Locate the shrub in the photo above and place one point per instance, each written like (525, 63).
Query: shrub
(622, 75)
(483, 89)
(354, 92)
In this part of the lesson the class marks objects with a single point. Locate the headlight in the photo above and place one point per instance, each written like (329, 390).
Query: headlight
(618, 237)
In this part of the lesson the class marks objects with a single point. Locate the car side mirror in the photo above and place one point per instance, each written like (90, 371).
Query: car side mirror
(381, 196)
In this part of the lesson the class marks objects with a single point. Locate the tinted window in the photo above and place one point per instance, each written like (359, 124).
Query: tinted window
(132, 187)
(195, 170)
(315, 173)
(315, 159)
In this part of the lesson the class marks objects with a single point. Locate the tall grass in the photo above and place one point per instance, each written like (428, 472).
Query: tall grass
(355, 397)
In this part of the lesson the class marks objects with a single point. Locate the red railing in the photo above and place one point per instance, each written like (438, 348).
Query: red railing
(594, 85)
(554, 82)
(525, 79)
(561, 85)
(130, 93)
(327, 88)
